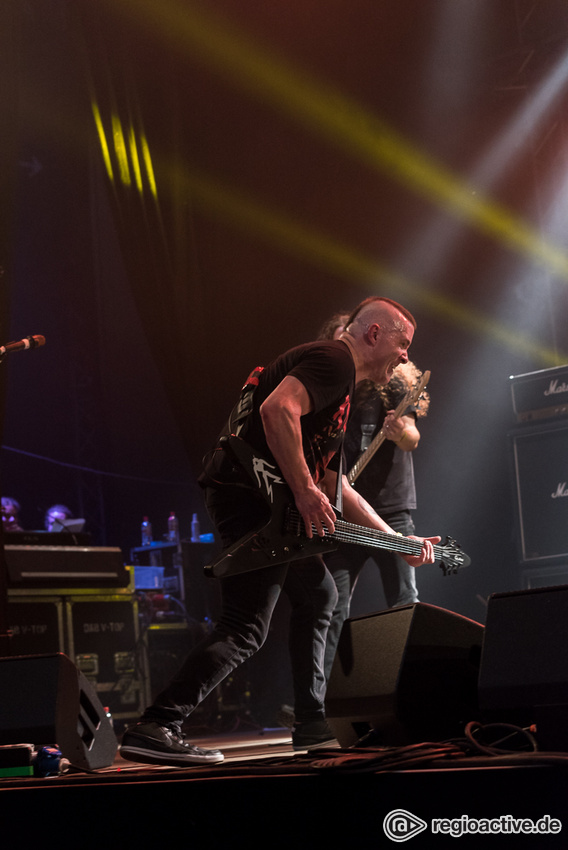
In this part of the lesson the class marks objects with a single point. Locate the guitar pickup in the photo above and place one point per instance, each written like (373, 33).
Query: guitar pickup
(293, 522)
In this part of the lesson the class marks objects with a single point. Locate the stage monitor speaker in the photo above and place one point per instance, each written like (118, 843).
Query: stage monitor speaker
(523, 677)
(540, 469)
(404, 675)
(47, 701)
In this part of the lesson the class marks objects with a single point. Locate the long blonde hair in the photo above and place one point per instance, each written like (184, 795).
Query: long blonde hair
(404, 378)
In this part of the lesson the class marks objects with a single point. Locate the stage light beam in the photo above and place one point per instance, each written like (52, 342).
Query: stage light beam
(341, 120)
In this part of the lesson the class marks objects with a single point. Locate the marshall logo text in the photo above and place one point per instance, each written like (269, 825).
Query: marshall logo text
(554, 388)
(561, 490)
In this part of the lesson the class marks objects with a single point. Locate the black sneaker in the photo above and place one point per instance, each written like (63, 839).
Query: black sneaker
(150, 743)
(312, 734)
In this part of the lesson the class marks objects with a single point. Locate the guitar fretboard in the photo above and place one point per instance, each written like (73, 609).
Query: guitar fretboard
(450, 555)
(347, 532)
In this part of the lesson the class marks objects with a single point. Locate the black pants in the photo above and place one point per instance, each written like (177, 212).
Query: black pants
(248, 601)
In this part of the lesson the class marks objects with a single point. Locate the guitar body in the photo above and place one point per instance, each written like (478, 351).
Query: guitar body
(266, 547)
(271, 542)
(282, 537)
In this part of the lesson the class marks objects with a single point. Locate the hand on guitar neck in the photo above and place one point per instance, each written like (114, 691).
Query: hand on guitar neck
(426, 556)
(401, 430)
(358, 511)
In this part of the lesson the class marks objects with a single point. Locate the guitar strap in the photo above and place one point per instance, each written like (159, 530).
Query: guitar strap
(369, 421)
(238, 420)
(339, 486)
(243, 408)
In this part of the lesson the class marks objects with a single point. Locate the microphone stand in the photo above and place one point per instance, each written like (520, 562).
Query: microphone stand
(5, 634)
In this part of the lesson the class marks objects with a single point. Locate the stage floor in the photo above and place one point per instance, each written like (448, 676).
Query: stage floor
(240, 748)
(266, 793)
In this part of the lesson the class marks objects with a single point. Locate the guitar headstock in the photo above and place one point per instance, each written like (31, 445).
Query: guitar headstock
(452, 557)
(417, 390)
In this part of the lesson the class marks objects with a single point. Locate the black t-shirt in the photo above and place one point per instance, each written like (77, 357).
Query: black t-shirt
(387, 482)
(327, 371)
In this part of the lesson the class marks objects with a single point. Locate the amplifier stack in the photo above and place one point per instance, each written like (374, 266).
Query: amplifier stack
(539, 462)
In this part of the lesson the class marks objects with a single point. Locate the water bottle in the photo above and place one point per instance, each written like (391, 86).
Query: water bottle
(195, 529)
(146, 530)
(173, 529)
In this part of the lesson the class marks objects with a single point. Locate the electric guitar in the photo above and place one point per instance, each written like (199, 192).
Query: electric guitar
(283, 537)
(411, 397)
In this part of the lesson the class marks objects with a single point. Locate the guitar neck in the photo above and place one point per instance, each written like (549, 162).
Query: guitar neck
(347, 532)
(410, 398)
(367, 455)
(376, 443)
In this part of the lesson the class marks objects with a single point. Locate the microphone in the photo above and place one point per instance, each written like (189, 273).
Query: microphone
(22, 344)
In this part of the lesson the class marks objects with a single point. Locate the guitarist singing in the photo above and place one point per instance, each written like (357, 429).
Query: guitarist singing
(293, 413)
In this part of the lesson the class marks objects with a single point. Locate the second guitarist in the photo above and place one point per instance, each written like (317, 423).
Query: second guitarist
(387, 483)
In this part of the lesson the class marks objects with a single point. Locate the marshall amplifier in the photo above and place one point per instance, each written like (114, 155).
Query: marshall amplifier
(540, 472)
(540, 395)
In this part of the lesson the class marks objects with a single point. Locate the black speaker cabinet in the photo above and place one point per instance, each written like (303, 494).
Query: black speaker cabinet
(540, 470)
(408, 674)
(523, 678)
(46, 701)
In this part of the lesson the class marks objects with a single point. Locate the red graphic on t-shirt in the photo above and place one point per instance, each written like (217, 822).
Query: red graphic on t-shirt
(342, 415)
(326, 444)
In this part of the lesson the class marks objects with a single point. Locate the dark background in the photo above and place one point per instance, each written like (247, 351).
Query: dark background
(305, 155)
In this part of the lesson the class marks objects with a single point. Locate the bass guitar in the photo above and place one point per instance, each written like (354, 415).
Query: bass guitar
(282, 537)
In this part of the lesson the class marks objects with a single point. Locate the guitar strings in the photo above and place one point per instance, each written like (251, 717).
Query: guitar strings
(349, 533)
(449, 555)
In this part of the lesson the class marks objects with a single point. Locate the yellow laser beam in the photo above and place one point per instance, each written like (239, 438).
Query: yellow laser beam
(146, 156)
(342, 261)
(134, 159)
(102, 141)
(341, 120)
(127, 157)
(120, 150)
